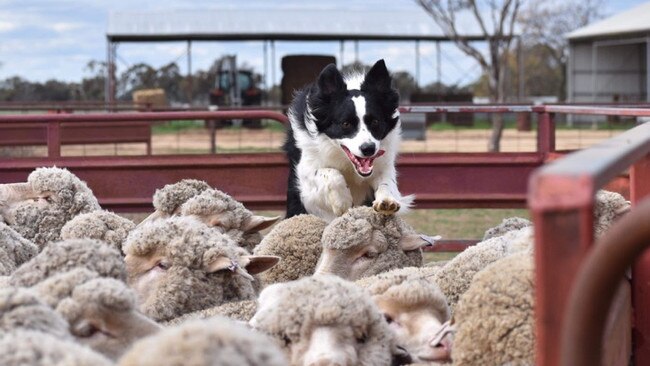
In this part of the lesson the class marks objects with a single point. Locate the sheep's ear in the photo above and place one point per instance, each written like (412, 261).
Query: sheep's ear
(255, 264)
(153, 217)
(416, 241)
(220, 263)
(257, 223)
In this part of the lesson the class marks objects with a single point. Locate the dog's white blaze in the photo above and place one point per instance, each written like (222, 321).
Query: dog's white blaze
(363, 135)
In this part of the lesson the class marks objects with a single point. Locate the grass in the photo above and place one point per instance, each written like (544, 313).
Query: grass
(176, 126)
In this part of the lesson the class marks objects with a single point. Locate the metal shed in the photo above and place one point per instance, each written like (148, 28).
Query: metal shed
(608, 60)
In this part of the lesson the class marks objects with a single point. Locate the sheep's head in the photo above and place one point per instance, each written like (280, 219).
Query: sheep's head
(363, 243)
(101, 312)
(324, 321)
(608, 207)
(168, 200)
(21, 308)
(180, 265)
(39, 208)
(415, 309)
(101, 225)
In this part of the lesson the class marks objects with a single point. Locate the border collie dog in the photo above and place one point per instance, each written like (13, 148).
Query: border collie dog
(342, 143)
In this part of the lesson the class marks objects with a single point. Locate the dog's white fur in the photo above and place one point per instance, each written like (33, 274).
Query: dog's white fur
(328, 182)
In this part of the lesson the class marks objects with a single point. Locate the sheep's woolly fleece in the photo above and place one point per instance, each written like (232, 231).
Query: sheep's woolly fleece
(495, 318)
(218, 341)
(236, 310)
(14, 250)
(100, 225)
(356, 226)
(65, 255)
(69, 197)
(297, 241)
(325, 300)
(609, 206)
(34, 348)
(233, 216)
(169, 199)
(455, 277)
(189, 246)
(508, 224)
(20, 308)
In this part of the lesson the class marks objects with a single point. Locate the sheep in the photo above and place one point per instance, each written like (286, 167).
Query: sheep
(180, 265)
(219, 210)
(62, 256)
(237, 310)
(325, 320)
(167, 201)
(217, 341)
(608, 207)
(297, 241)
(494, 318)
(364, 242)
(508, 224)
(101, 312)
(21, 308)
(14, 250)
(414, 307)
(38, 209)
(100, 225)
(34, 348)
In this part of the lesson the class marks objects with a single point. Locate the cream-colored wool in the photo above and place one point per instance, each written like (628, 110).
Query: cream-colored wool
(64, 197)
(508, 224)
(290, 311)
(14, 250)
(346, 235)
(217, 341)
(101, 225)
(32, 348)
(494, 318)
(297, 241)
(188, 247)
(169, 199)
(65, 255)
(609, 206)
(236, 310)
(455, 277)
(21, 308)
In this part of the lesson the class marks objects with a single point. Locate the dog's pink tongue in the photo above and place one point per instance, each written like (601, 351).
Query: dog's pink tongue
(365, 165)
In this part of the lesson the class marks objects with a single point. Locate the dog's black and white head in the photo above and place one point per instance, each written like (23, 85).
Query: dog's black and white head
(356, 115)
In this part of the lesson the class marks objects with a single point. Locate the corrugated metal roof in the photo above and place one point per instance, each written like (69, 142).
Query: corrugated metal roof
(280, 24)
(635, 20)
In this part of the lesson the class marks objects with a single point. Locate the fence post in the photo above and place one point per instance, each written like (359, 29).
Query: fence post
(54, 139)
(546, 133)
(639, 189)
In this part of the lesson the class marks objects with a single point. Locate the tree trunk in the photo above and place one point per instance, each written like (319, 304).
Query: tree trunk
(497, 86)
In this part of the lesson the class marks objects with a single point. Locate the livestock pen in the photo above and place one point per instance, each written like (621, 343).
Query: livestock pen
(560, 195)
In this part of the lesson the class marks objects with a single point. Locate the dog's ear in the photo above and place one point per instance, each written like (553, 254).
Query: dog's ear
(330, 80)
(377, 78)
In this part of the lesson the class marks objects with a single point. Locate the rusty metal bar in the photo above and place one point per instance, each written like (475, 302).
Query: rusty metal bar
(546, 133)
(596, 283)
(54, 139)
(561, 200)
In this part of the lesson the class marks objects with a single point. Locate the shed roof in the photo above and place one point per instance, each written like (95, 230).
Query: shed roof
(281, 24)
(633, 21)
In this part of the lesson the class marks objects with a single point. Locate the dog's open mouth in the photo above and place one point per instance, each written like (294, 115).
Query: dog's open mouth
(363, 165)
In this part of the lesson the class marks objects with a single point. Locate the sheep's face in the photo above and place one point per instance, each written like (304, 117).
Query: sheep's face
(16, 195)
(372, 255)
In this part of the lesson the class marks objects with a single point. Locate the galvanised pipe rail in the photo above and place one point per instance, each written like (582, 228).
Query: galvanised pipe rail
(597, 282)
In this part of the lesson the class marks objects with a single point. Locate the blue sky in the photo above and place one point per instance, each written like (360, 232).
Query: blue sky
(55, 39)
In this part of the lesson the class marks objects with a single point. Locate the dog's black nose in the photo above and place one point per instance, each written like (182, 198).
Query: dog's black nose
(368, 149)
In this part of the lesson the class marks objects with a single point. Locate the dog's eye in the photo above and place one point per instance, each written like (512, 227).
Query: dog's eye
(374, 123)
(346, 125)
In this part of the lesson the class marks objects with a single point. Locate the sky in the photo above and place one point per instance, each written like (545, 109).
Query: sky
(55, 39)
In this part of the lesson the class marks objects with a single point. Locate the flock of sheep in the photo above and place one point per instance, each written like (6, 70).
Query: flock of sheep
(197, 284)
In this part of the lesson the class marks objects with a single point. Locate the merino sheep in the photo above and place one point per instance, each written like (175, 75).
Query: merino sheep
(508, 224)
(297, 241)
(33, 348)
(38, 209)
(167, 201)
(236, 310)
(325, 320)
(609, 206)
(217, 209)
(494, 318)
(101, 312)
(100, 225)
(414, 307)
(364, 242)
(14, 250)
(65, 255)
(21, 308)
(179, 265)
(218, 341)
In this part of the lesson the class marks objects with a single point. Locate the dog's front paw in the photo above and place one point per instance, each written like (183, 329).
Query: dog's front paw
(386, 205)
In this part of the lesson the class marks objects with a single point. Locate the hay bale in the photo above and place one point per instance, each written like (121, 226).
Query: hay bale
(150, 97)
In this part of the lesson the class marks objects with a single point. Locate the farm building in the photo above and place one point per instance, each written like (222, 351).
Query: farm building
(608, 59)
